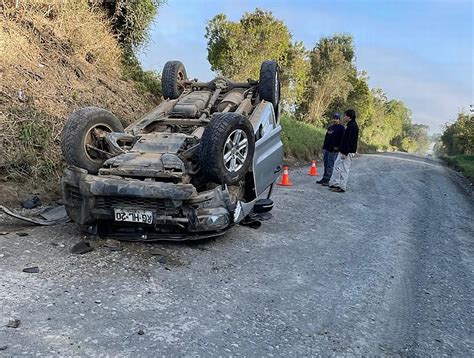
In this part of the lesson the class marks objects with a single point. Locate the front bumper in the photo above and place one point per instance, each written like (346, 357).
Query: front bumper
(177, 208)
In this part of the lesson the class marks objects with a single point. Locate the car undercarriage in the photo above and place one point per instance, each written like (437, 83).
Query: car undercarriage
(201, 161)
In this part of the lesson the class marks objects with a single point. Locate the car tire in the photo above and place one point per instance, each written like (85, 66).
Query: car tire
(269, 83)
(223, 157)
(172, 74)
(79, 131)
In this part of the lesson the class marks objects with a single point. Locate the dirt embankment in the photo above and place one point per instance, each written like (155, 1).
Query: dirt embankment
(55, 57)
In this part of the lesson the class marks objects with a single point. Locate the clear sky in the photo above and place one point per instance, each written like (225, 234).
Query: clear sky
(418, 51)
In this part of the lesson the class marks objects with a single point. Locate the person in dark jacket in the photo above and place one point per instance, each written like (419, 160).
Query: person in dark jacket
(347, 150)
(332, 141)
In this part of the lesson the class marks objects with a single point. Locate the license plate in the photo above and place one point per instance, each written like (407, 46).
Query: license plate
(134, 216)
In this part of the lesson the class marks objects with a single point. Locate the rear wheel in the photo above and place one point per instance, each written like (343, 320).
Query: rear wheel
(227, 148)
(83, 143)
(269, 83)
(172, 77)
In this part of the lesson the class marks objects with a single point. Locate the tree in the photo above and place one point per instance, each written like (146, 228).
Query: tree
(237, 49)
(458, 138)
(359, 98)
(331, 68)
(295, 74)
(417, 139)
(130, 19)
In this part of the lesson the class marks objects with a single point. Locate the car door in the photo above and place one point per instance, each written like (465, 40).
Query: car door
(268, 156)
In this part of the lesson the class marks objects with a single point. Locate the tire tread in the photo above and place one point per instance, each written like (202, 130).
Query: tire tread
(210, 149)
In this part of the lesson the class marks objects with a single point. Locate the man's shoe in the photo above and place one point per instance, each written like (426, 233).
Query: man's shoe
(338, 190)
(321, 181)
(325, 183)
(333, 186)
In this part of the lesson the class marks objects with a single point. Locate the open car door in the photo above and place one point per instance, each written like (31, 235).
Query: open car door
(268, 156)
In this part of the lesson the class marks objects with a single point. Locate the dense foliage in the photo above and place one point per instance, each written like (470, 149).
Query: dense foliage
(130, 19)
(237, 49)
(458, 138)
(316, 83)
(130, 22)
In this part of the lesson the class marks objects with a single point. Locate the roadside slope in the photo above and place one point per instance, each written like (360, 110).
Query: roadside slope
(55, 57)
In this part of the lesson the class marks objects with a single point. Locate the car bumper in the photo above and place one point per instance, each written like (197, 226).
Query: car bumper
(177, 208)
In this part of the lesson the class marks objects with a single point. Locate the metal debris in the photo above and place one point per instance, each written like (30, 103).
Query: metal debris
(82, 247)
(49, 216)
(31, 202)
(34, 269)
(13, 323)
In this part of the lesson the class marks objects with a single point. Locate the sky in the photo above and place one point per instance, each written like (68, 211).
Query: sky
(418, 51)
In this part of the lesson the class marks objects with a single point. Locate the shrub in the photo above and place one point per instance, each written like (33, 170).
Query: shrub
(301, 140)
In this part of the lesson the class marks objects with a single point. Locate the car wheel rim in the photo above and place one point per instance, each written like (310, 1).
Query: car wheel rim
(180, 78)
(93, 143)
(235, 150)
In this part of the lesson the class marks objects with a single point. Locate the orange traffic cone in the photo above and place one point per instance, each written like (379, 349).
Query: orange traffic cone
(285, 179)
(313, 171)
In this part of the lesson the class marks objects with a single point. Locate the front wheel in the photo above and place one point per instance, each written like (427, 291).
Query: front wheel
(83, 143)
(227, 148)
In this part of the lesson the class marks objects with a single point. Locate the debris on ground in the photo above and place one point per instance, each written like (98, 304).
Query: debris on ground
(82, 247)
(34, 269)
(113, 245)
(141, 332)
(2, 348)
(46, 217)
(55, 213)
(158, 252)
(251, 222)
(13, 323)
(162, 259)
(22, 234)
(31, 202)
(254, 220)
(3, 233)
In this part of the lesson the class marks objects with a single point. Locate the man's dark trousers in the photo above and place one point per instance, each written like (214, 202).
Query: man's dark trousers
(329, 158)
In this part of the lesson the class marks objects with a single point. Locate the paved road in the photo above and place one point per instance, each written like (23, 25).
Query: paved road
(385, 269)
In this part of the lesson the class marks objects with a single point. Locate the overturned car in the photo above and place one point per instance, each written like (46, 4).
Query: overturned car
(203, 160)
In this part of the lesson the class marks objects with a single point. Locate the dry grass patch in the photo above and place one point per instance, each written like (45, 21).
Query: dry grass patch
(55, 57)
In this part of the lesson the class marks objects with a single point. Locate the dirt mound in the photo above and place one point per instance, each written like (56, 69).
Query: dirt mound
(55, 57)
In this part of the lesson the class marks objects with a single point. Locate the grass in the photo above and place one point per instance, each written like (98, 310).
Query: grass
(301, 140)
(56, 57)
(465, 163)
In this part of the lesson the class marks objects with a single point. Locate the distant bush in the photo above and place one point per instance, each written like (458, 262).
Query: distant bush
(458, 138)
(301, 140)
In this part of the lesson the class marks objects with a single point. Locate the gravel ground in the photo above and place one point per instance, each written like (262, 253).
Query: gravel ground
(384, 269)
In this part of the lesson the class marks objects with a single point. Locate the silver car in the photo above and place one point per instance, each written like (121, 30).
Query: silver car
(205, 159)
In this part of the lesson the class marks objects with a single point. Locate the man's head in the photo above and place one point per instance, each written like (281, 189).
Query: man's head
(336, 118)
(349, 114)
